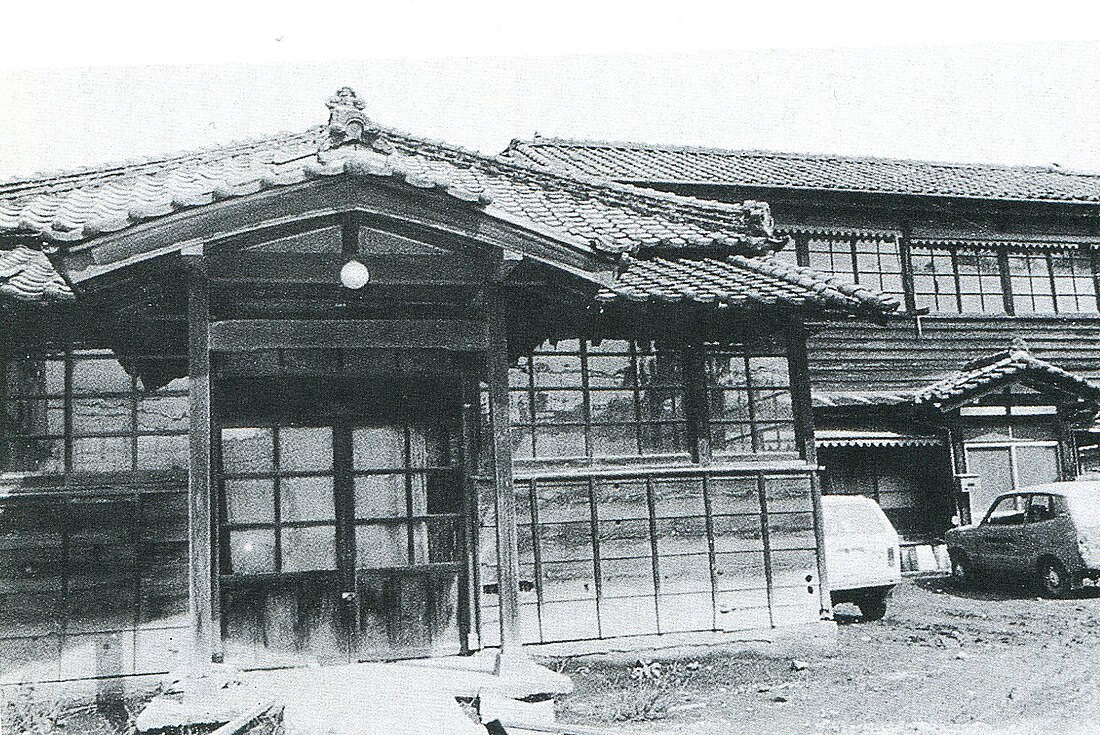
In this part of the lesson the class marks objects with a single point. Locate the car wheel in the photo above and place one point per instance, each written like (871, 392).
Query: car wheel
(1053, 579)
(962, 571)
(872, 608)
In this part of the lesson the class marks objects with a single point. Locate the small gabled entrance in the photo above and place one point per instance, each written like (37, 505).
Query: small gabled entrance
(343, 532)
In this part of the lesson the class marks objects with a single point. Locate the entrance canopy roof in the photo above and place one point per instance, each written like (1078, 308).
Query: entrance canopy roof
(639, 245)
(1014, 365)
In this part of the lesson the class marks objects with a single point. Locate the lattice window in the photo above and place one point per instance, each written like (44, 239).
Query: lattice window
(957, 280)
(1055, 282)
(874, 263)
(750, 404)
(79, 411)
(615, 399)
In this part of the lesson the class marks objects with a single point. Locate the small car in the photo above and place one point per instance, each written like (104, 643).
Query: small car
(862, 554)
(1050, 533)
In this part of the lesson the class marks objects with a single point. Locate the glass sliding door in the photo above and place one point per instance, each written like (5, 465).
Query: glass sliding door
(340, 541)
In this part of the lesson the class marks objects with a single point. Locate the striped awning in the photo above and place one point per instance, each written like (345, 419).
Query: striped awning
(866, 438)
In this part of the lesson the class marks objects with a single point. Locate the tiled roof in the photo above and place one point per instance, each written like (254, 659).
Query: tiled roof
(27, 275)
(650, 164)
(600, 214)
(622, 222)
(740, 281)
(1013, 364)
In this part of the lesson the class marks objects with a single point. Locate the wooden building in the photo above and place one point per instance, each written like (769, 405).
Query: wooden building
(352, 395)
(985, 380)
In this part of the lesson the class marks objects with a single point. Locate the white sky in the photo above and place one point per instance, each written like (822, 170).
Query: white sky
(995, 87)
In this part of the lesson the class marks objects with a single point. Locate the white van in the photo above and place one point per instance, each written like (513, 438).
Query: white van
(862, 554)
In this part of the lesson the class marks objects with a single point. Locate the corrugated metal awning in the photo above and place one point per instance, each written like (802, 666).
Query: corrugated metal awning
(866, 438)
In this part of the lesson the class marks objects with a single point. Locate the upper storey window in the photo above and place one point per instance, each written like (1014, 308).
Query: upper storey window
(970, 280)
(1053, 282)
(957, 280)
(869, 262)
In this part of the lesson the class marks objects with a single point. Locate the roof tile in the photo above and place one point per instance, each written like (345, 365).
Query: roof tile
(641, 163)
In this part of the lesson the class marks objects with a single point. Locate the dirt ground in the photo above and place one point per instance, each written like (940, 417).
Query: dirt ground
(943, 660)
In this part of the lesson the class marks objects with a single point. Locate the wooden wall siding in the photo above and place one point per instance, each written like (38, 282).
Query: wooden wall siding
(93, 582)
(895, 357)
(639, 553)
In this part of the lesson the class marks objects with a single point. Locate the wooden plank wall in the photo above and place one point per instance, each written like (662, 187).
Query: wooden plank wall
(93, 582)
(896, 357)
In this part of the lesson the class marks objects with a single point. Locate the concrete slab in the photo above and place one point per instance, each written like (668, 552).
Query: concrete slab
(406, 698)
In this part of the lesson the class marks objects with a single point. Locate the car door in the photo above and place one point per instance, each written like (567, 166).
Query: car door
(1002, 533)
(1048, 529)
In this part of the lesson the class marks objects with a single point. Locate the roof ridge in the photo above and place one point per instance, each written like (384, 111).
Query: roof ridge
(542, 173)
(61, 181)
(65, 179)
(522, 146)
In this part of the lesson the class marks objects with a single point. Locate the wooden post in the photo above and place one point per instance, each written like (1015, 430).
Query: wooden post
(804, 433)
(512, 655)
(199, 480)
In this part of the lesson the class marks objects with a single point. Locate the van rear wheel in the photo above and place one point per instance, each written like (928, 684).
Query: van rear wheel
(872, 607)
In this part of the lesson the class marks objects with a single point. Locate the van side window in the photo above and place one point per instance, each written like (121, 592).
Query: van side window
(1008, 511)
(1040, 508)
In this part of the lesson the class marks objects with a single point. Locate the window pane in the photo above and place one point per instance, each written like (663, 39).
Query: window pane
(250, 501)
(100, 376)
(610, 371)
(727, 371)
(252, 551)
(101, 415)
(777, 437)
(35, 416)
(156, 413)
(306, 549)
(247, 450)
(305, 449)
(306, 499)
(833, 258)
(103, 454)
(726, 438)
(382, 545)
(557, 371)
(559, 441)
(662, 404)
(727, 405)
(164, 452)
(1032, 290)
(610, 406)
(614, 440)
(381, 447)
(934, 279)
(664, 438)
(380, 496)
(559, 406)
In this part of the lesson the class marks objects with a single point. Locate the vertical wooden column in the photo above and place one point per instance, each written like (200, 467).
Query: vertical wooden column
(512, 654)
(802, 400)
(199, 481)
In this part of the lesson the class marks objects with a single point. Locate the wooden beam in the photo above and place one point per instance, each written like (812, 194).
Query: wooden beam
(206, 637)
(512, 655)
(272, 334)
(385, 270)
